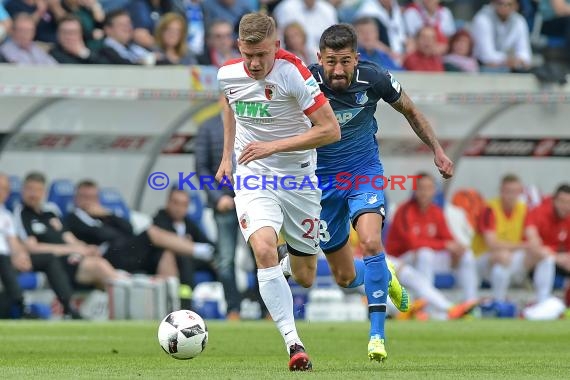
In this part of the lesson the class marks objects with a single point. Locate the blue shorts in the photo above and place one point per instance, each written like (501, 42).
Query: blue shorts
(343, 202)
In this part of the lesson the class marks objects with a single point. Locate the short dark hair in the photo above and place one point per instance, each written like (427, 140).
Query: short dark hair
(86, 183)
(508, 178)
(563, 188)
(421, 175)
(111, 16)
(339, 36)
(35, 177)
(365, 20)
(176, 189)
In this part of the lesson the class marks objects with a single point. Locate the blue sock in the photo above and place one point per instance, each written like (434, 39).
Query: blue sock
(376, 279)
(360, 268)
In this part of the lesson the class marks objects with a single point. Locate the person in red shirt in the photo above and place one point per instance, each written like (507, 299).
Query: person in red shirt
(426, 56)
(420, 237)
(547, 230)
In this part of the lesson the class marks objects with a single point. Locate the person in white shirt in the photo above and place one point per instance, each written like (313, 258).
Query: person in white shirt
(275, 115)
(501, 37)
(430, 13)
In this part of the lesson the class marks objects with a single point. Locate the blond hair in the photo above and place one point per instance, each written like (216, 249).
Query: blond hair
(181, 47)
(255, 27)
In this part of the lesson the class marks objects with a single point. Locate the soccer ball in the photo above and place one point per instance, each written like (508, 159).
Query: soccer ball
(183, 334)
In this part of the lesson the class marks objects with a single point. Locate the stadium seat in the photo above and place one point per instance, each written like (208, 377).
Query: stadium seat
(61, 193)
(15, 192)
(444, 280)
(112, 199)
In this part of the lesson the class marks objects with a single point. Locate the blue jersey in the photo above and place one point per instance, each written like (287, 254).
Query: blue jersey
(354, 109)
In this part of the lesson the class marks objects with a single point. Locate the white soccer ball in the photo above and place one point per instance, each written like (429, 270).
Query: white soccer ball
(183, 334)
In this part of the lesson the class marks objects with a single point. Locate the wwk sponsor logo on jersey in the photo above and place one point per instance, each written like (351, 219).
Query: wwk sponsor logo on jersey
(252, 109)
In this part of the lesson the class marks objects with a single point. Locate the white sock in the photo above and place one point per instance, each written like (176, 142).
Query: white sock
(285, 266)
(424, 260)
(500, 281)
(277, 296)
(419, 285)
(544, 273)
(467, 275)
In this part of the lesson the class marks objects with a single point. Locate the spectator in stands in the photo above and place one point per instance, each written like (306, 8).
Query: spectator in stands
(501, 37)
(70, 47)
(91, 16)
(504, 255)
(313, 15)
(430, 13)
(369, 45)
(460, 55)
(556, 20)
(548, 232)
(145, 15)
(209, 149)
(170, 37)
(230, 11)
(391, 25)
(196, 28)
(426, 57)
(420, 236)
(94, 224)
(21, 48)
(119, 48)
(295, 41)
(38, 10)
(220, 45)
(14, 257)
(174, 218)
(5, 22)
(43, 233)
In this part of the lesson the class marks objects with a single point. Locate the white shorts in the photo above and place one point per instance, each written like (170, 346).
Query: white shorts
(441, 260)
(516, 267)
(295, 213)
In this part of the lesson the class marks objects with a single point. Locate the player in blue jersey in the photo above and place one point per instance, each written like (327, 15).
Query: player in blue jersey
(354, 88)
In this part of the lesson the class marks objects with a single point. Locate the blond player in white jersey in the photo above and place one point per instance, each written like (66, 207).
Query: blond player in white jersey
(274, 117)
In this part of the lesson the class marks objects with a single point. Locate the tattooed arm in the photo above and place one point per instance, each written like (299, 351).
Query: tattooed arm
(424, 131)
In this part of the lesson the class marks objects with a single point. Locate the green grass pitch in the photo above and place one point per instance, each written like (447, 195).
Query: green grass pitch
(482, 349)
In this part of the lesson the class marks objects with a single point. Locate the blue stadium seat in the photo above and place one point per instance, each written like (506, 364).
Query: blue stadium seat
(203, 276)
(196, 208)
(444, 280)
(15, 195)
(112, 199)
(559, 282)
(61, 194)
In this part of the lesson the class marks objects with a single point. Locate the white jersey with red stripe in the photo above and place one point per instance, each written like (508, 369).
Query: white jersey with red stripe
(270, 109)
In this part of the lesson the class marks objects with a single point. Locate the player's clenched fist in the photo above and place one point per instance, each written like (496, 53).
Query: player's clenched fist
(443, 164)
(225, 170)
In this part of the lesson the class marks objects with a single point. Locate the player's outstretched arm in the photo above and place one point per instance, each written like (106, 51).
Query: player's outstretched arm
(425, 132)
(225, 169)
(325, 130)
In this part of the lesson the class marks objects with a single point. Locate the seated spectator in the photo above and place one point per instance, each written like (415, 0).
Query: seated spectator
(313, 15)
(391, 25)
(430, 13)
(91, 16)
(145, 15)
(220, 45)
(145, 252)
(196, 32)
(419, 235)
(369, 44)
(174, 218)
(501, 38)
(5, 22)
(171, 35)
(229, 11)
(14, 257)
(460, 55)
(39, 10)
(119, 48)
(70, 47)
(548, 233)
(295, 41)
(556, 20)
(21, 48)
(43, 233)
(504, 257)
(426, 56)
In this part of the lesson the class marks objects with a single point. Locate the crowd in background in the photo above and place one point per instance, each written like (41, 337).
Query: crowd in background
(416, 35)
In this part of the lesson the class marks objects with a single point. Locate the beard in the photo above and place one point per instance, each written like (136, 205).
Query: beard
(339, 82)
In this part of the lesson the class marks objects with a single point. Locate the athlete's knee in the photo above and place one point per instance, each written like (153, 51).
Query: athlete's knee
(501, 257)
(265, 253)
(371, 245)
(425, 255)
(305, 274)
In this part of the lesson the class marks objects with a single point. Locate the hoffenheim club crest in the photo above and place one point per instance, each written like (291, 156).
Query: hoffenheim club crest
(361, 98)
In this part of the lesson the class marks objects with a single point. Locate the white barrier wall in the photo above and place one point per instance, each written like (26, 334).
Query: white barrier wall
(109, 123)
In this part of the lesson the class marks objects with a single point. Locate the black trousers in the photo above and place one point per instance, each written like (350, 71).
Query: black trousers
(9, 278)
